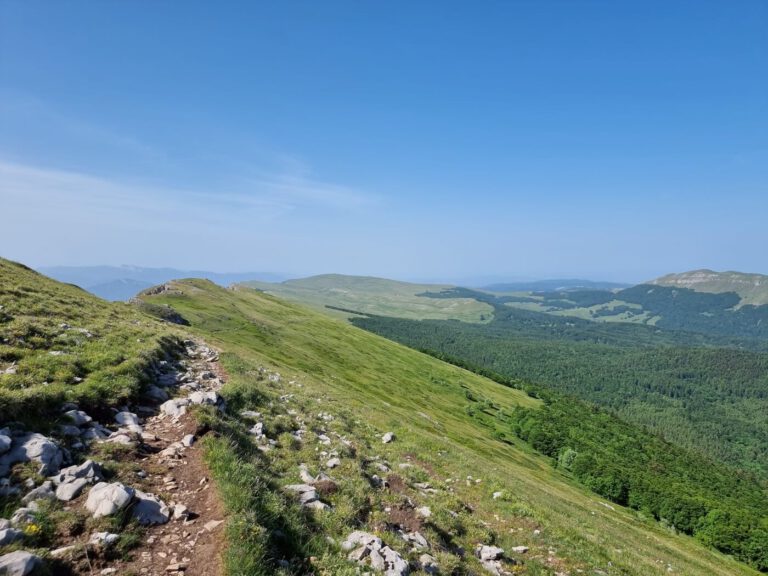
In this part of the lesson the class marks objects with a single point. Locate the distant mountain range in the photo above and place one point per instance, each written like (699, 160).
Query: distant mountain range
(123, 282)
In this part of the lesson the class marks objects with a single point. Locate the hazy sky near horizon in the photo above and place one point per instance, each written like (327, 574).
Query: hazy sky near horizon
(416, 140)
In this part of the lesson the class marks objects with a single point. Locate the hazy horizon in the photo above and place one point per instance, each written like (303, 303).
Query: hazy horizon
(595, 140)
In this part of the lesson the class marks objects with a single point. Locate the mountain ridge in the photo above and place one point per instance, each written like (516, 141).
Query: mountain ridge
(752, 288)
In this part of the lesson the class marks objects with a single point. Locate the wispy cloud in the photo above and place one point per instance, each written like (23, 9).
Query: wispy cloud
(25, 187)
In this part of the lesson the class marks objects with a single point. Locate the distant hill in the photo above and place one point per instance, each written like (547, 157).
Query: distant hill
(348, 294)
(752, 288)
(123, 282)
(557, 284)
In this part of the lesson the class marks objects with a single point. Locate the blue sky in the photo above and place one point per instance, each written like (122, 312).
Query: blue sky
(420, 140)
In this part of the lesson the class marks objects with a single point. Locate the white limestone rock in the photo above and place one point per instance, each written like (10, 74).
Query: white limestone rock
(104, 499)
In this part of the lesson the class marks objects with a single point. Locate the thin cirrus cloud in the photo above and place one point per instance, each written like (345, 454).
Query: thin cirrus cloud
(34, 192)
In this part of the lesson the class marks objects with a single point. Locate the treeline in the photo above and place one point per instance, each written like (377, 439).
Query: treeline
(721, 507)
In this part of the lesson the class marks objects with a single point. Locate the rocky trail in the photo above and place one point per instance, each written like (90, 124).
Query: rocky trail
(157, 480)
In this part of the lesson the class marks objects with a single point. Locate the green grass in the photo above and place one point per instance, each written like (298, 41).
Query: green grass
(376, 296)
(449, 424)
(58, 343)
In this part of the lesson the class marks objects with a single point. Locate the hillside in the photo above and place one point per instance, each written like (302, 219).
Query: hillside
(348, 294)
(752, 288)
(454, 450)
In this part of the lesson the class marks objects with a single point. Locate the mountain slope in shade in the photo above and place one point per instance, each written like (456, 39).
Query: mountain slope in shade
(752, 288)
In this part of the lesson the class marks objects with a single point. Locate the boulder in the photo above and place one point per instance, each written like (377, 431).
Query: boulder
(33, 447)
(104, 499)
(149, 509)
(19, 563)
(388, 437)
(188, 440)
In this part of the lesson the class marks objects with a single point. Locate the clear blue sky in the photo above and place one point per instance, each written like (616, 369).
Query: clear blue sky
(607, 139)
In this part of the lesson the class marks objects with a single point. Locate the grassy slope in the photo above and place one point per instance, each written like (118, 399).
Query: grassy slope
(753, 288)
(376, 296)
(387, 386)
(59, 343)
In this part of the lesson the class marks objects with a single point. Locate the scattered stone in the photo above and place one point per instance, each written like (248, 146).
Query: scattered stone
(19, 563)
(180, 512)
(63, 551)
(332, 463)
(127, 419)
(489, 552)
(8, 489)
(360, 538)
(428, 564)
(497, 495)
(520, 549)
(71, 490)
(95, 432)
(78, 417)
(42, 492)
(23, 516)
(388, 437)
(120, 438)
(210, 398)
(105, 539)
(156, 393)
(88, 470)
(10, 535)
(149, 509)
(424, 512)
(69, 430)
(175, 407)
(105, 499)
(5, 442)
(250, 414)
(212, 525)
(415, 538)
(188, 440)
